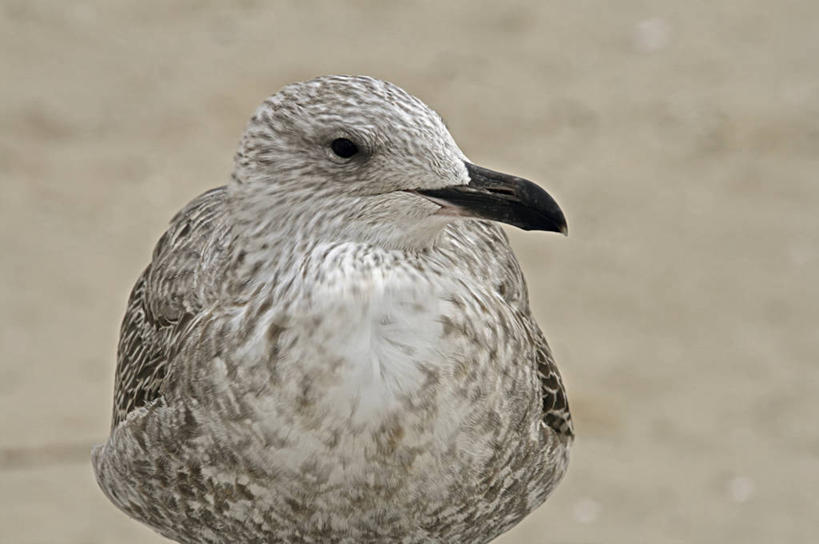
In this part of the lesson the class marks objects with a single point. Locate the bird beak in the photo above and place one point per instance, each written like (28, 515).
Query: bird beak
(500, 197)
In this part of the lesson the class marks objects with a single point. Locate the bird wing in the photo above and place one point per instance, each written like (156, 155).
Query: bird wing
(489, 255)
(180, 281)
(555, 405)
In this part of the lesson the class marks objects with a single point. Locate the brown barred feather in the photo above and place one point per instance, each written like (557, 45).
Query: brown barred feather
(172, 288)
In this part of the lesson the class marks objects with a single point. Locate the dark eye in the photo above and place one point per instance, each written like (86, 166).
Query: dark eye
(344, 148)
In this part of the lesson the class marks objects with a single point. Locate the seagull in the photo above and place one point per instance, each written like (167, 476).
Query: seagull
(337, 346)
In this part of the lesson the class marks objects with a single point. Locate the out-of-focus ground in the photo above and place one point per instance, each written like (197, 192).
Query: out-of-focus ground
(681, 139)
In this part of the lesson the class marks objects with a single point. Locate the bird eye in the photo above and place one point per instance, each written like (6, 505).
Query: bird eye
(344, 148)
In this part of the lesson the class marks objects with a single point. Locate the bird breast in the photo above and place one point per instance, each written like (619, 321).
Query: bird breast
(369, 341)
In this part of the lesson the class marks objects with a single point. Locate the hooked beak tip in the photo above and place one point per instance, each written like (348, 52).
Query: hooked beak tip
(500, 197)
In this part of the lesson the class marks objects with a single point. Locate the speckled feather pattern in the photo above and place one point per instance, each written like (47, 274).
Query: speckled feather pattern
(313, 359)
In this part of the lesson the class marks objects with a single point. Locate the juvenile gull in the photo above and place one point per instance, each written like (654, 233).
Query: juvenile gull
(337, 346)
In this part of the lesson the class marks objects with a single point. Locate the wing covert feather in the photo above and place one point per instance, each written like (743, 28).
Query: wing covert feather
(179, 282)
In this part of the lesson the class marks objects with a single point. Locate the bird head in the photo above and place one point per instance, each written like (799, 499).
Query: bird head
(358, 159)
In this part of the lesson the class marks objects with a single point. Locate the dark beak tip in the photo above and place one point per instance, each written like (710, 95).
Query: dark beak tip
(508, 199)
(551, 217)
(559, 227)
(563, 226)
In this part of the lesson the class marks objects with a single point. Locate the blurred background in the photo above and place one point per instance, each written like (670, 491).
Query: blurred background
(681, 139)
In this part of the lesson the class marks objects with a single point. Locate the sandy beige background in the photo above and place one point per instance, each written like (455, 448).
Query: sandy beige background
(681, 138)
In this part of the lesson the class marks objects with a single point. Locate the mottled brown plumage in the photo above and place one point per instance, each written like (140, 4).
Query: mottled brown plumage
(319, 353)
(172, 289)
